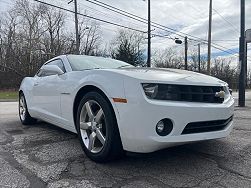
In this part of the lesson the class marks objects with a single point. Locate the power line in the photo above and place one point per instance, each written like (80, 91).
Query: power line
(91, 17)
(225, 51)
(138, 18)
(112, 18)
(98, 12)
(232, 25)
(217, 46)
(164, 36)
(170, 30)
(198, 10)
(125, 13)
(143, 20)
(221, 48)
(224, 40)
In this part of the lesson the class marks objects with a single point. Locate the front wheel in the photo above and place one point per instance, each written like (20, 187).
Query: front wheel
(97, 128)
(24, 115)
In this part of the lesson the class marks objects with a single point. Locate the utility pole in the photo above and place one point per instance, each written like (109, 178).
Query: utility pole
(199, 56)
(1, 56)
(76, 25)
(209, 37)
(242, 55)
(246, 63)
(149, 35)
(186, 48)
(247, 40)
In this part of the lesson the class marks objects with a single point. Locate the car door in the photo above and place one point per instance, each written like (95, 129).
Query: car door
(46, 93)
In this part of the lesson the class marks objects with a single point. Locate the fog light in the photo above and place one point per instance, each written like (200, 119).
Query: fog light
(160, 126)
(164, 127)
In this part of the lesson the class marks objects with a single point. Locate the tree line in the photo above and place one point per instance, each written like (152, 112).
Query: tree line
(32, 33)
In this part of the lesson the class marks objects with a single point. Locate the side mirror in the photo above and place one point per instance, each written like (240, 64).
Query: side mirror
(52, 70)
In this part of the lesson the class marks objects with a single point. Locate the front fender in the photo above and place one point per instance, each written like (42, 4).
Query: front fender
(111, 86)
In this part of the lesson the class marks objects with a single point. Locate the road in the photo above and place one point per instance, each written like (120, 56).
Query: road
(43, 155)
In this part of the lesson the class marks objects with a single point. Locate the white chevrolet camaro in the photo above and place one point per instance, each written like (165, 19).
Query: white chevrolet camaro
(115, 107)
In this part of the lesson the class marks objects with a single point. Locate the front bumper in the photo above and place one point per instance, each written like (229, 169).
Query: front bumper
(138, 118)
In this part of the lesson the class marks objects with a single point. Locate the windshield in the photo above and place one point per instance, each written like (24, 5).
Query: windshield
(82, 62)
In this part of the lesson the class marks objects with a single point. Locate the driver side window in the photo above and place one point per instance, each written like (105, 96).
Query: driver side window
(57, 62)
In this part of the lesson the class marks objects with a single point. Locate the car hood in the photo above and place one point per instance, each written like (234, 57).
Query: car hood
(170, 76)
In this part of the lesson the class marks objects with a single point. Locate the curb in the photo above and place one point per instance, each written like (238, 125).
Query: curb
(8, 100)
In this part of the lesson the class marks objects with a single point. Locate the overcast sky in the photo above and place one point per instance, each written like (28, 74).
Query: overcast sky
(187, 16)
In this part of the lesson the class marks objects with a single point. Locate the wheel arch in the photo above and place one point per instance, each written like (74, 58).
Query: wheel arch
(84, 90)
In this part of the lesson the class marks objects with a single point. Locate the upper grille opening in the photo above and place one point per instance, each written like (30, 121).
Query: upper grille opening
(189, 93)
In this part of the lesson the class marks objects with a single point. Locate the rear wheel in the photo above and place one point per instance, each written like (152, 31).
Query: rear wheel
(24, 115)
(97, 128)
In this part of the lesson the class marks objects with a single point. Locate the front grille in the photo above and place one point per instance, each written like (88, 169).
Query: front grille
(189, 93)
(206, 126)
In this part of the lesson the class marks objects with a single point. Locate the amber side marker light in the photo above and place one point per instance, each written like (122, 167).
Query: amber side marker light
(120, 100)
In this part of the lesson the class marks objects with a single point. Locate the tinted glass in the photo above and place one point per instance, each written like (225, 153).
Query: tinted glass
(40, 73)
(81, 62)
(59, 63)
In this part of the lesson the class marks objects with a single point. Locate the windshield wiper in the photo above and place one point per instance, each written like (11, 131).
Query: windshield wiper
(125, 66)
(89, 69)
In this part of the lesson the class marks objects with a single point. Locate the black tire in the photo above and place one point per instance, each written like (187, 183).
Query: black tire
(112, 147)
(25, 118)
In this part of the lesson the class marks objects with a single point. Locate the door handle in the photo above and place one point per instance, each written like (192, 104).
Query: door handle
(36, 84)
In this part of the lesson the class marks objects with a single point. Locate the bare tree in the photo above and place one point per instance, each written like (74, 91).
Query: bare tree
(193, 64)
(223, 70)
(54, 22)
(9, 45)
(167, 58)
(90, 36)
(31, 29)
(32, 33)
(249, 78)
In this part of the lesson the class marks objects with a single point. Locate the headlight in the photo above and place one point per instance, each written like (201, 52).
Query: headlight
(151, 90)
(161, 91)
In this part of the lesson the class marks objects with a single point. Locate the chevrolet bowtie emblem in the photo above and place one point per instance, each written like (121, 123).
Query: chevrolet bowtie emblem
(220, 94)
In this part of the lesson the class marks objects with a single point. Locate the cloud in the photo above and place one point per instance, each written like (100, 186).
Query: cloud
(186, 16)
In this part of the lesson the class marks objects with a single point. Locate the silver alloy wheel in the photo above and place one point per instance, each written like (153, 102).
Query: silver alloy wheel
(22, 108)
(92, 126)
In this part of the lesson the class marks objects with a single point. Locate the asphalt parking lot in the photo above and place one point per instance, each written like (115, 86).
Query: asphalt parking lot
(43, 155)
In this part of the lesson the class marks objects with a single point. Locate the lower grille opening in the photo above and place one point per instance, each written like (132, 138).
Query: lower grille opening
(206, 126)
